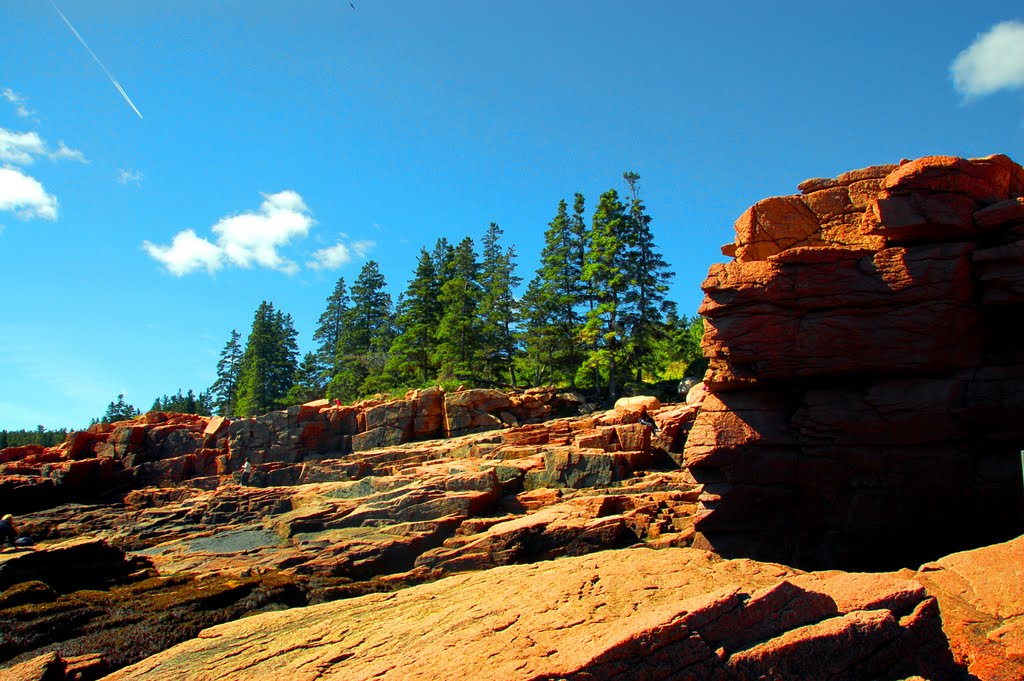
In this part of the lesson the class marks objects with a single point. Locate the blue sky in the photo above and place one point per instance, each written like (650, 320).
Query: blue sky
(279, 145)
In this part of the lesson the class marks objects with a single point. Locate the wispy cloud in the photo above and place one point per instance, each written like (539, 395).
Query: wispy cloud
(22, 148)
(19, 102)
(339, 254)
(993, 62)
(25, 196)
(129, 177)
(66, 153)
(246, 240)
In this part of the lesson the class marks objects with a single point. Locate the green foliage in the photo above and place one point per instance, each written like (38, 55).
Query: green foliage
(412, 353)
(499, 309)
(188, 403)
(119, 410)
(309, 382)
(553, 299)
(224, 391)
(330, 328)
(39, 436)
(594, 315)
(369, 329)
(606, 271)
(268, 364)
(459, 331)
(644, 299)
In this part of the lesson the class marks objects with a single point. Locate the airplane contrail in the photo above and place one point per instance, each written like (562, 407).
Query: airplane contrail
(109, 75)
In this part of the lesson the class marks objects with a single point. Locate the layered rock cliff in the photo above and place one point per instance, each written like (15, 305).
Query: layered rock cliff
(866, 405)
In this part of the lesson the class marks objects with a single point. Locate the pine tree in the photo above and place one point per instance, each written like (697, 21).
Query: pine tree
(224, 390)
(308, 384)
(607, 272)
(117, 411)
(268, 363)
(367, 336)
(648, 274)
(458, 332)
(553, 298)
(499, 309)
(412, 352)
(330, 328)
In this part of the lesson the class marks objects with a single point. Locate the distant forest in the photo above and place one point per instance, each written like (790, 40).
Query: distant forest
(594, 318)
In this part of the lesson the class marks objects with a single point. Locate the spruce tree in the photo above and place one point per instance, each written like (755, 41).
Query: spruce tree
(648, 273)
(224, 390)
(309, 382)
(412, 352)
(330, 328)
(268, 363)
(368, 333)
(499, 309)
(607, 273)
(553, 299)
(118, 410)
(458, 332)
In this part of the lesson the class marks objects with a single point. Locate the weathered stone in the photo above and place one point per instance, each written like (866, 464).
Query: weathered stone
(659, 618)
(854, 391)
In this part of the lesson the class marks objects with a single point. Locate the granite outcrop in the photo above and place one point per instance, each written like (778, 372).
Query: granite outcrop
(866, 372)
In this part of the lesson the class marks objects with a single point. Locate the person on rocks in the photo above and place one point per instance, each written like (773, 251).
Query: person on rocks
(7, 531)
(646, 420)
(246, 470)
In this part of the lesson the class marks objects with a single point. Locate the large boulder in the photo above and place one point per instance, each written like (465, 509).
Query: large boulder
(866, 369)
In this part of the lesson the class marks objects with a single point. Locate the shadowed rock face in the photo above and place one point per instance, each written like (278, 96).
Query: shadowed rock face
(866, 369)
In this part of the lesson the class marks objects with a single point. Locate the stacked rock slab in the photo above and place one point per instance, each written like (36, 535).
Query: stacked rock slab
(866, 379)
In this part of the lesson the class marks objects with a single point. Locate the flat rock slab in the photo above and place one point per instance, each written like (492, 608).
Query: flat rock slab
(981, 594)
(633, 613)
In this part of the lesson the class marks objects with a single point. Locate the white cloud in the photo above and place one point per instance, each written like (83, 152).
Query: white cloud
(25, 196)
(19, 102)
(994, 61)
(339, 254)
(20, 147)
(186, 253)
(129, 176)
(64, 152)
(244, 240)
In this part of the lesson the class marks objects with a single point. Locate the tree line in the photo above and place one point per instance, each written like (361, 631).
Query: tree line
(593, 317)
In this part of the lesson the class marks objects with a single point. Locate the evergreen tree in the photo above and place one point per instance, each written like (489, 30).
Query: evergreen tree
(444, 259)
(412, 352)
(648, 273)
(458, 332)
(118, 411)
(499, 309)
(309, 381)
(366, 338)
(188, 403)
(553, 298)
(268, 363)
(224, 391)
(607, 273)
(330, 328)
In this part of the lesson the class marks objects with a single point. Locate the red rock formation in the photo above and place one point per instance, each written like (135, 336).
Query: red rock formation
(866, 370)
(637, 613)
(167, 449)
